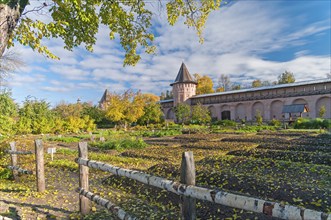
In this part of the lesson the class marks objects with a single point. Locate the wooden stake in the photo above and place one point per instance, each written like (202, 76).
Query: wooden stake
(14, 160)
(40, 170)
(84, 203)
(187, 176)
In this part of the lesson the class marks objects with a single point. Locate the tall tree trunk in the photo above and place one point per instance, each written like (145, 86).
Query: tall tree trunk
(9, 16)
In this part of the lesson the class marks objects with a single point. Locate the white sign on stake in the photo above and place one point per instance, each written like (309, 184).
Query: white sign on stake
(51, 151)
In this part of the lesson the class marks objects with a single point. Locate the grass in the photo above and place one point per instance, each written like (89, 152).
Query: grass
(64, 139)
(120, 144)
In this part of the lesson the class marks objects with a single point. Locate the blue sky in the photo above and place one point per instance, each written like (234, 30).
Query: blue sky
(245, 39)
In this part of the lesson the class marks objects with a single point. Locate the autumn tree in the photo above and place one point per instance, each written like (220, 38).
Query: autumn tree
(205, 84)
(152, 110)
(256, 83)
(125, 108)
(224, 83)
(78, 22)
(286, 77)
(183, 112)
(200, 114)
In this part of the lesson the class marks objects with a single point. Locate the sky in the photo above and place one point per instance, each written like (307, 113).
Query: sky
(245, 39)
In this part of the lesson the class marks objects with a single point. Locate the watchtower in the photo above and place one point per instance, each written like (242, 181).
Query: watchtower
(184, 86)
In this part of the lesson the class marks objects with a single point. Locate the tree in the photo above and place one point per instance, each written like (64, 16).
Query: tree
(235, 87)
(93, 112)
(78, 22)
(152, 114)
(224, 82)
(183, 113)
(9, 62)
(200, 114)
(256, 83)
(66, 110)
(125, 108)
(8, 111)
(205, 84)
(220, 89)
(286, 77)
(35, 117)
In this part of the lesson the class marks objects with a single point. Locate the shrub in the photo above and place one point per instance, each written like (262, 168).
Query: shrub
(275, 122)
(304, 123)
(5, 173)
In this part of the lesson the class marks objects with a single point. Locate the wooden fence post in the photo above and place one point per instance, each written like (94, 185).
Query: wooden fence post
(40, 170)
(84, 203)
(187, 176)
(14, 160)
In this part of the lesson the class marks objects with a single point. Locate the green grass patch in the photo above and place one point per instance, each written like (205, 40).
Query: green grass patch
(66, 151)
(119, 144)
(64, 139)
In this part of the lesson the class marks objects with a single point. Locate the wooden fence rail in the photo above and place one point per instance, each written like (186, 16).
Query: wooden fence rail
(20, 170)
(39, 152)
(120, 213)
(273, 209)
(5, 218)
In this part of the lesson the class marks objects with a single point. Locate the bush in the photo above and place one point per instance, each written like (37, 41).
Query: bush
(275, 122)
(5, 173)
(305, 123)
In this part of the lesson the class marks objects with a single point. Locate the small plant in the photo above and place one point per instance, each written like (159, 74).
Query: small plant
(259, 118)
(5, 173)
(275, 122)
(322, 111)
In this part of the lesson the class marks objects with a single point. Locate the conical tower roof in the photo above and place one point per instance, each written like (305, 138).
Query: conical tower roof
(104, 96)
(183, 76)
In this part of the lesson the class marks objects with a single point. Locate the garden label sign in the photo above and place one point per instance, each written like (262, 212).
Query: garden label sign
(51, 151)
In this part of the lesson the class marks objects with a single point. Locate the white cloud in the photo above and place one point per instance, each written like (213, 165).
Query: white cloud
(237, 37)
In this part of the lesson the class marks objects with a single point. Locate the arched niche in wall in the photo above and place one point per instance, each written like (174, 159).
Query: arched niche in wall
(241, 112)
(276, 108)
(225, 112)
(257, 107)
(213, 111)
(170, 114)
(326, 102)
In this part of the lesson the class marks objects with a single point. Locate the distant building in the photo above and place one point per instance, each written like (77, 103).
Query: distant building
(285, 101)
(104, 100)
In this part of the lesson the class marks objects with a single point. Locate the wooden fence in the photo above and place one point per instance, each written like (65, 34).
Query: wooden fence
(40, 173)
(185, 188)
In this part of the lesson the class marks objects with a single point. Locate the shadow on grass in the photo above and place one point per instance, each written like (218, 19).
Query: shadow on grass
(36, 208)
